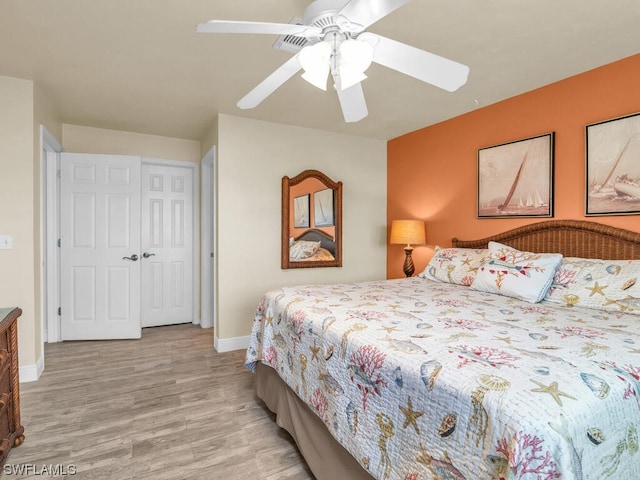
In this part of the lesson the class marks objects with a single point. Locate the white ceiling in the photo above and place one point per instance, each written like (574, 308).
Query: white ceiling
(140, 66)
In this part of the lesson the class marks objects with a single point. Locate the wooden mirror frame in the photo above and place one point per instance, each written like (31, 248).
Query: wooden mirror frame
(287, 183)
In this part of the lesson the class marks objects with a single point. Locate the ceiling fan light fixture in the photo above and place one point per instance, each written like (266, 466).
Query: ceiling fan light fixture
(317, 78)
(315, 60)
(355, 58)
(349, 77)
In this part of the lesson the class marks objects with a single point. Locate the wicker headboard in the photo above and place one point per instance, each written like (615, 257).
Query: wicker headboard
(314, 235)
(572, 238)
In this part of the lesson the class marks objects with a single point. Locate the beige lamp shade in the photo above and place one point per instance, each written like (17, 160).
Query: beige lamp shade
(408, 232)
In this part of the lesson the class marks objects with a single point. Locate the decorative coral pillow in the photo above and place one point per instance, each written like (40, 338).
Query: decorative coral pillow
(454, 265)
(601, 284)
(510, 272)
(303, 249)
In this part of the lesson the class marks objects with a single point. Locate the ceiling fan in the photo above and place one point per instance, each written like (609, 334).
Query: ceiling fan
(337, 44)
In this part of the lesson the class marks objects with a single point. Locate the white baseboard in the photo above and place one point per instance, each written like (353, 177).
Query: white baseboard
(230, 344)
(31, 373)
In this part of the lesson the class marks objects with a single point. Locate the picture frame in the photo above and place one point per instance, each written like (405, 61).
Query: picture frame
(515, 179)
(612, 179)
(301, 217)
(323, 213)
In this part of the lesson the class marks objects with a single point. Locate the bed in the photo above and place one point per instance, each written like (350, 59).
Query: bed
(313, 245)
(431, 377)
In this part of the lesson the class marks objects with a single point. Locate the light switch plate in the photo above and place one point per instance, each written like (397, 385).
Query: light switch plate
(6, 242)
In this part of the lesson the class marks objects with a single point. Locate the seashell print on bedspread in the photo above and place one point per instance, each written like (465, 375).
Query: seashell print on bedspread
(428, 380)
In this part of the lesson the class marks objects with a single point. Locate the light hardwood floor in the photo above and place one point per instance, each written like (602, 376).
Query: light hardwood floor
(166, 406)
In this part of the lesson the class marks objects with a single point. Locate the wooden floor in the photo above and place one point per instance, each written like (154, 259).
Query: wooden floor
(163, 407)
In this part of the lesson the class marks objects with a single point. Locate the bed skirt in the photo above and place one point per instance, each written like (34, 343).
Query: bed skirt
(326, 458)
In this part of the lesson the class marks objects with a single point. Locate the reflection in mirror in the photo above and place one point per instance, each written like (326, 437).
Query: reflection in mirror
(311, 221)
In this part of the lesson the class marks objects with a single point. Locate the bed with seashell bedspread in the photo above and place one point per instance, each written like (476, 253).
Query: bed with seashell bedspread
(432, 377)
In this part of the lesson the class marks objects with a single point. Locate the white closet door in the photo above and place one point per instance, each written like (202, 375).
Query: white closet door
(167, 245)
(100, 245)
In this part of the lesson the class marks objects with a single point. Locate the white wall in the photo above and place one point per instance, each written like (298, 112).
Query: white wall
(18, 212)
(24, 108)
(81, 139)
(253, 156)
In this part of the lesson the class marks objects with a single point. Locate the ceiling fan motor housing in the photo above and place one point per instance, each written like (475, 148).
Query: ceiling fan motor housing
(322, 13)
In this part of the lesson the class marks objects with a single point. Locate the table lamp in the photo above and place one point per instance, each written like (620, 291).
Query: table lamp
(408, 232)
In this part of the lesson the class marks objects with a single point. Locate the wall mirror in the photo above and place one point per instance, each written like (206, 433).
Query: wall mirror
(311, 221)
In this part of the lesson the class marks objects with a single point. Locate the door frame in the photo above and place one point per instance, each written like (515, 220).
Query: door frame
(49, 228)
(49, 233)
(195, 180)
(209, 291)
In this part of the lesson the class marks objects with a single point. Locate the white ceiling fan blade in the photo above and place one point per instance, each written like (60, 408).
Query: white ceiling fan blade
(425, 66)
(352, 102)
(362, 13)
(232, 26)
(271, 83)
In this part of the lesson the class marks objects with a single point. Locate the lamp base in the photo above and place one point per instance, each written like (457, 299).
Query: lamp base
(408, 267)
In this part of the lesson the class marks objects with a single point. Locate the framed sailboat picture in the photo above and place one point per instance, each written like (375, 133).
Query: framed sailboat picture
(301, 211)
(323, 208)
(515, 179)
(613, 169)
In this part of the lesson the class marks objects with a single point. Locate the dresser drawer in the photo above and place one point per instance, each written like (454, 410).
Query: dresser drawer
(5, 380)
(5, 410)
(5, 359)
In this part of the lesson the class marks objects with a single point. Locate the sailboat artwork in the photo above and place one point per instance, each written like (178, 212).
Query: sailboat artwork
(625, 186)
(323, 208)
(515, 179)
(613, 166)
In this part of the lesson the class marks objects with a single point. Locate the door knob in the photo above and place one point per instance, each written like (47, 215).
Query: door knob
(147, 254)
(133, 258)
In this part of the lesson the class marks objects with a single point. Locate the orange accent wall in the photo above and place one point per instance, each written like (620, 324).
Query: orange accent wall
(308, 186)
(432, 172)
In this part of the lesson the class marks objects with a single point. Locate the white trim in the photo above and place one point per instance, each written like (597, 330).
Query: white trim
(195, 167)
(230, 344)
(49, 253)
(31, 373)
(50, 140)
(207, 241)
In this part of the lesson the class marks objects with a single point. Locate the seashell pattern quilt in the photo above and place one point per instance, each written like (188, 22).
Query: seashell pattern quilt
(420, 379)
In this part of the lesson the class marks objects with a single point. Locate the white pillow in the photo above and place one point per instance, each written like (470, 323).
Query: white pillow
(303, 249)
(510, 272)
(454, 265)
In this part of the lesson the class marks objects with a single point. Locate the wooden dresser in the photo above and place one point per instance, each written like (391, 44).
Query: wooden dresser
(11, 430)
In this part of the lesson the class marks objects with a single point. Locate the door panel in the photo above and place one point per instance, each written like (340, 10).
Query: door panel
(99, 226)
(84, 293)
(167, 237)
(118, 287)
